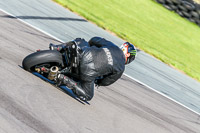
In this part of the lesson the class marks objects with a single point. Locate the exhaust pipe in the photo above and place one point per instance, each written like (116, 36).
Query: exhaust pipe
(53, 72)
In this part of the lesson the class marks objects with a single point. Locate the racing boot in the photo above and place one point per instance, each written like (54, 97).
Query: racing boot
(73, 86)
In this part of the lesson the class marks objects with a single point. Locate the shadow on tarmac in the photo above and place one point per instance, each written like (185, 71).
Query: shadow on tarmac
(62, 88)
(44, 18)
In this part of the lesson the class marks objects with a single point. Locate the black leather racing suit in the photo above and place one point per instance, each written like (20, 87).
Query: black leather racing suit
(99, 57)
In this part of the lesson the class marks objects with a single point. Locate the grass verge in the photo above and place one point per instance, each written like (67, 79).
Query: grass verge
(149, 26)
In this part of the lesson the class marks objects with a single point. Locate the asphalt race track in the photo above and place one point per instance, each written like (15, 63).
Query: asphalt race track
(28, 104)
(59, 22)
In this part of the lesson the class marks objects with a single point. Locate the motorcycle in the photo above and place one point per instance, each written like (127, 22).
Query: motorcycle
(50, 63)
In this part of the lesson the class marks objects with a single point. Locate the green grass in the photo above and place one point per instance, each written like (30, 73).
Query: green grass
(149, 26)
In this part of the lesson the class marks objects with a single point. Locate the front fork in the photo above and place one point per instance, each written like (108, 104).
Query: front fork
(51, 73)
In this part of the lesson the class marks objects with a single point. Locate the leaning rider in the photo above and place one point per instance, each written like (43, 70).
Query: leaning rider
(96, 58)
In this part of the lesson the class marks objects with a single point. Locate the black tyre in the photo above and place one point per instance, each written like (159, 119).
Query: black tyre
(167, 6)
(174, 7)
(192, 20)
(186, 14)
(195, 14)
(182, 8)
(42, 57)
(179, 13)
(169, 2)
(176, 2)
(161, 1)
(188, 5)
(197, 21)
(198, 11)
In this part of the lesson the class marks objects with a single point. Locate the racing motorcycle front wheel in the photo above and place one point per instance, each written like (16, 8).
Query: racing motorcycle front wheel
(42, 59)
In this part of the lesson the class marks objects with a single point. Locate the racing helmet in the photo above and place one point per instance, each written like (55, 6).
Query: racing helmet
(129, 52)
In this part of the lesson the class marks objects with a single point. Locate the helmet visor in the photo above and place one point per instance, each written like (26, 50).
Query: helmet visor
(125, 50)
